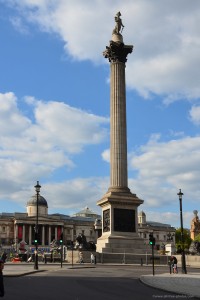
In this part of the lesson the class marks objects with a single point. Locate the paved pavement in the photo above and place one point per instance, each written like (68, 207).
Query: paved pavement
(185, 285)
(182, 284)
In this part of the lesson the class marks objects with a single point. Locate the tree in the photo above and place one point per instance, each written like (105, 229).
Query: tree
(186, 239)
(197, 238)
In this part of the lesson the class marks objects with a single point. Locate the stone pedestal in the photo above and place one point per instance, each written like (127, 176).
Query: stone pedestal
(120, 223)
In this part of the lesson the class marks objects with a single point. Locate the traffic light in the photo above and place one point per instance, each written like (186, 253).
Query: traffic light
(61, 239)
(35, 239)
(152, 240)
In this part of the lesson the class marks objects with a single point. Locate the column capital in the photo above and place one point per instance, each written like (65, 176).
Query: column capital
(117, 52)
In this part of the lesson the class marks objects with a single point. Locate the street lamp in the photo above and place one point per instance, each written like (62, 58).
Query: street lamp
(184, 271)
(37, 188)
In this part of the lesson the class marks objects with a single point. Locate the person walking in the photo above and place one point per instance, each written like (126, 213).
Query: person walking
(1, 278)
(4, 257)
(174, 264)
(92, 258)
(81, 258)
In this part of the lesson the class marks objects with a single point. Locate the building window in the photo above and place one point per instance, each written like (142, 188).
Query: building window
(145, 235)
(3, 229)
(74, 232)
(83, 231)
(68, 231)
(90, 232)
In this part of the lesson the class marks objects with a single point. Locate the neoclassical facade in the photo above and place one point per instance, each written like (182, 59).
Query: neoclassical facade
(163, 233)
(16, 227)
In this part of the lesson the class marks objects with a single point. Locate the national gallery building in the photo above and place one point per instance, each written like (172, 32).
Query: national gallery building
(17, 227)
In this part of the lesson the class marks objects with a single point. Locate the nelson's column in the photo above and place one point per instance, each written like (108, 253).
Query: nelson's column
(119, 205)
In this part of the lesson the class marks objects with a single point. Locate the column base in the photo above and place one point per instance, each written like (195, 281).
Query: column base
(119, 222)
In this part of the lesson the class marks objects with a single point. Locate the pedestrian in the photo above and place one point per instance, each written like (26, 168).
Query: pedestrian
(81, 258)
(4, 257)
(174, 264)
(1, 278)
(92, 258)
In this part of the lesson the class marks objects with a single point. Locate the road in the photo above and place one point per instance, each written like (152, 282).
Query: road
(101, 282)
(75, 288)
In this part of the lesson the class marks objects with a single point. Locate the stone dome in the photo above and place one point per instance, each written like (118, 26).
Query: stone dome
(32, 206)
(41, 201)
(86, 212)
(141, 214)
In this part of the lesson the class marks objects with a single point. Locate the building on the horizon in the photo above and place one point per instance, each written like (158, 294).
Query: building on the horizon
(16, 227)
(163, 233)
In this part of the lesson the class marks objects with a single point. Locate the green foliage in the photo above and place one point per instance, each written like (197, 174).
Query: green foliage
(186, 238)
(197, 238)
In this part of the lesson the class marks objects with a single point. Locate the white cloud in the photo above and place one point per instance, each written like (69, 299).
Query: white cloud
(45, 144)
(195, 114)
(165, 34)
(11, 119)
(19, 25)
(68, 127)
(164, 167)
(75, 194)
(106, 155)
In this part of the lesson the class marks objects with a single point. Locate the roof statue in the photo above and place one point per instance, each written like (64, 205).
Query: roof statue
(118, 26)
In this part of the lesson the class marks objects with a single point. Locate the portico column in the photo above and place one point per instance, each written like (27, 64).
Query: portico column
(49, 234)
(23, 233)
(72, 235)
(16, 233)
(56, 233)
(43, 235)
(30, 235)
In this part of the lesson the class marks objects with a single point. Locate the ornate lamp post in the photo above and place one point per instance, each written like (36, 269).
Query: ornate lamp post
(184, 271)
(37, 188)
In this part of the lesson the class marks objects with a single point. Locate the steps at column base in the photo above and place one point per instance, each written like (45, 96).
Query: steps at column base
(122, 244)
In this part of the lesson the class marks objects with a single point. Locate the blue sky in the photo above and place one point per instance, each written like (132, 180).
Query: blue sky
(55, 103)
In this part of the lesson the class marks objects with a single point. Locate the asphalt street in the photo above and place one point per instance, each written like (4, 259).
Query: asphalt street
(83, 288)
(87, 282)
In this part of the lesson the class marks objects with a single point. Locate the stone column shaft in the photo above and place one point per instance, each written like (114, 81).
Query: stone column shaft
(16, 233)
(43, 235)
(30, 235)
(118, 139)
(56, 233)
(49, 234)
(23, 232)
